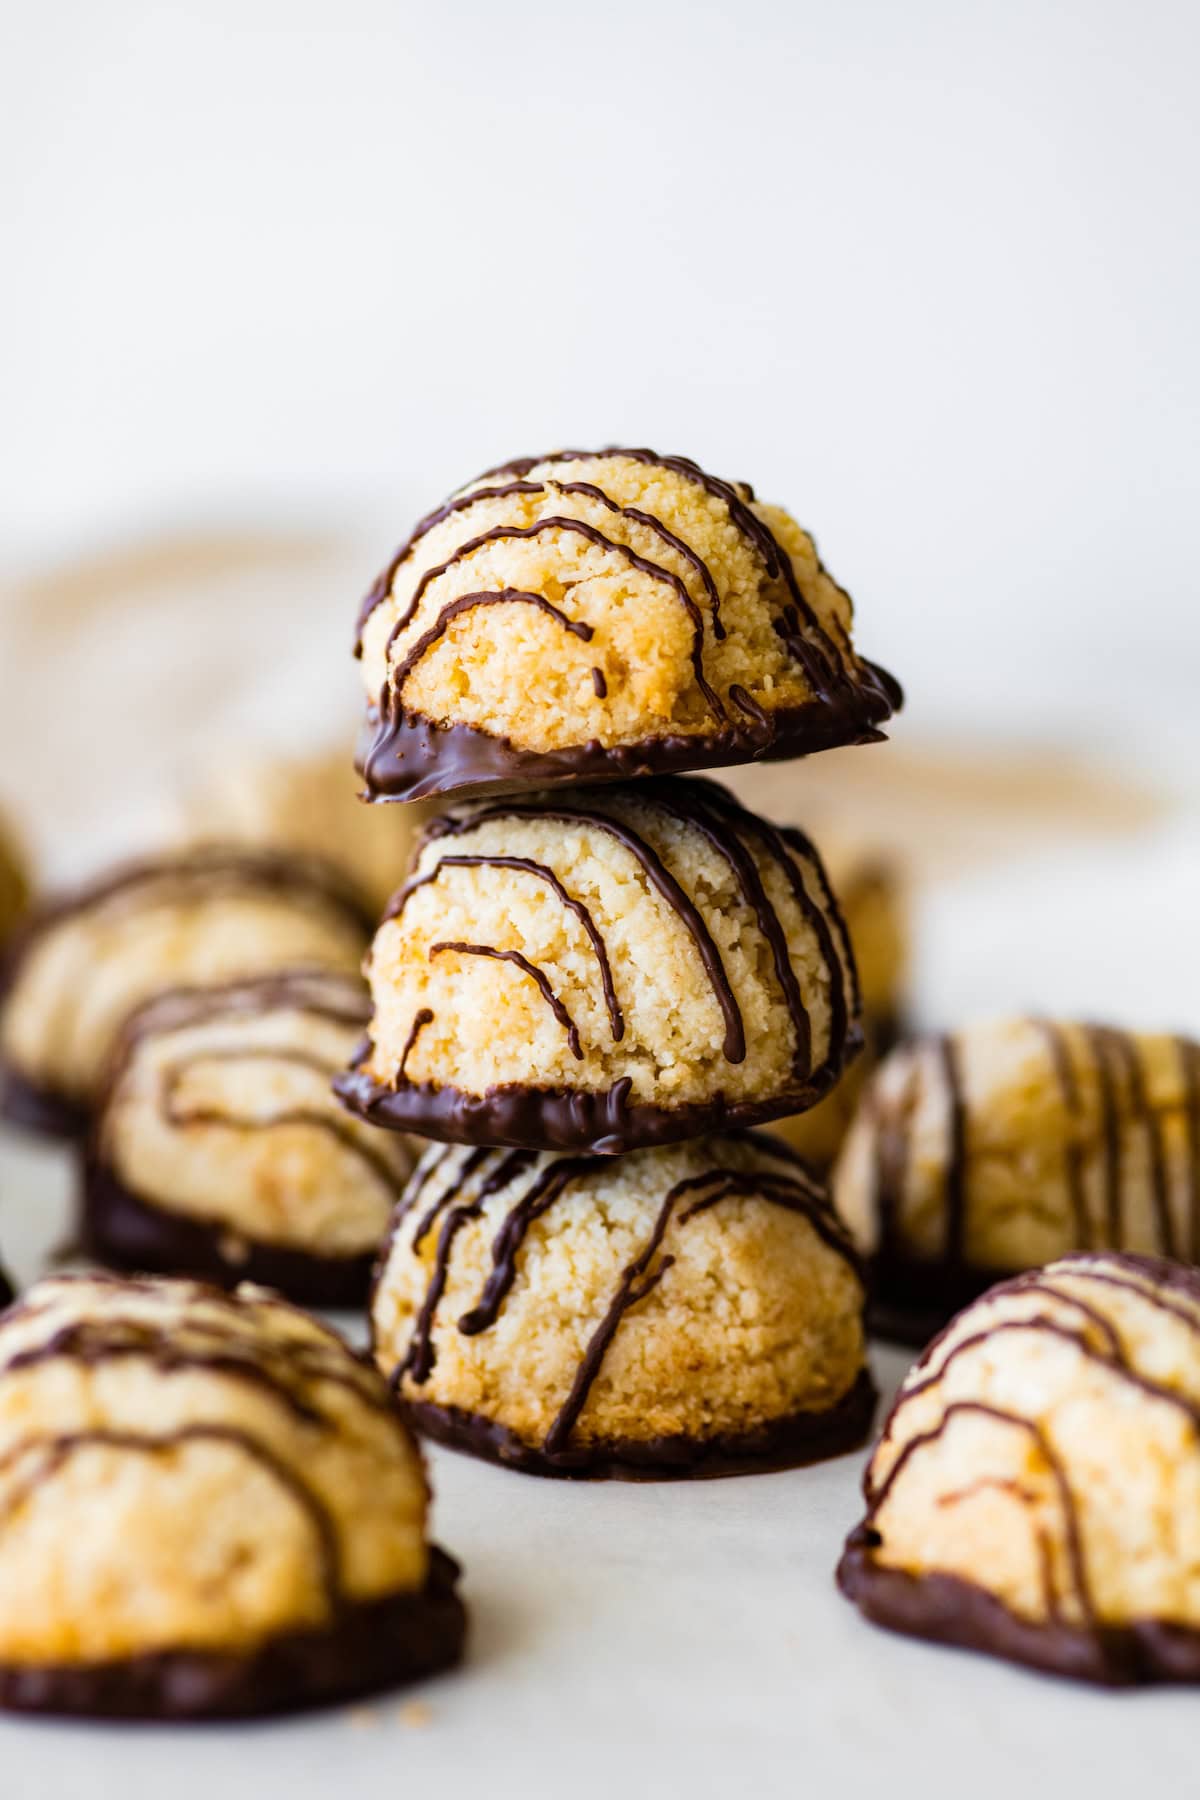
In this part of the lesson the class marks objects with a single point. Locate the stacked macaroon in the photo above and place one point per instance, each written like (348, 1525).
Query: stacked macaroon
(599, 977)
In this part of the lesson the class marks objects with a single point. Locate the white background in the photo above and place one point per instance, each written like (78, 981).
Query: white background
(926, 272)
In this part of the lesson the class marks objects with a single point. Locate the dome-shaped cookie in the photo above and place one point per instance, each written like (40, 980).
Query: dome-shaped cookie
(220, 1151)
(872, 895)
(1012, 1142)
(87, 960)
(311, 804)
(592, 614)
(605, 970)
(679, 1310)
(210, 1508)
(1036, 1490)
(14, 882)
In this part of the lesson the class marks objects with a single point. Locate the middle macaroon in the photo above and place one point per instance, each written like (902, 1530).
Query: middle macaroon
(604, 971)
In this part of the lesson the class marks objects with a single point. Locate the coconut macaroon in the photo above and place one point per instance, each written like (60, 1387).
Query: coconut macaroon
(1012, 1142)
(591, 614)
(219, 1149)
(1036, 1490)
(211, 1508)
(86, 960)
(605, 970)
(311, 804)
(873, 897)
(680, 1310)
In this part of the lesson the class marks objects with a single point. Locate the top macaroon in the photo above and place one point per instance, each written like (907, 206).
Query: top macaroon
(592, 615)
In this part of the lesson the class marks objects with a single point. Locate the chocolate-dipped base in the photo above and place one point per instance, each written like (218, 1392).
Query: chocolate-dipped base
(948, 1610)
(910, 1302)
(369, 1648)
(123, 1231)
(39, 1109)
(605, 1123)
(785, 1443)
(411, 757)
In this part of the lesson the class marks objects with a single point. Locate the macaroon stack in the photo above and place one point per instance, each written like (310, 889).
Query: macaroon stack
(599, 976)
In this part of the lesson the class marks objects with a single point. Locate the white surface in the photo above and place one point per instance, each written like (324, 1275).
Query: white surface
(646, 1640)
(926, 272)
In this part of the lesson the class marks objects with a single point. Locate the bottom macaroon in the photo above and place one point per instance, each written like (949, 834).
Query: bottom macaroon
(690, 1310)
(211, 1509)
(1036, 1490)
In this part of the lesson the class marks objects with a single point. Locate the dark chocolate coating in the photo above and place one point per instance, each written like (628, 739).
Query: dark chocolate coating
(123, 1231)
(40, 1109)
(607, 1123)
(413, 758)
(368, 1648)
(947, 1610)
(776, 1444)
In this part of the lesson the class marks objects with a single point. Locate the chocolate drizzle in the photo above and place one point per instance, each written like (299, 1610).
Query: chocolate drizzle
(955, 1192)
(657, 874)
(176, 1114)
(1064, 1070)
(421, 1355)
(527, 866)
(472, 603)
(719, 835)
(421, 1018)
(224, 1340)
(535, 974)
(411, 755)
(210, 872)
(558, 522)
(797, 1192)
